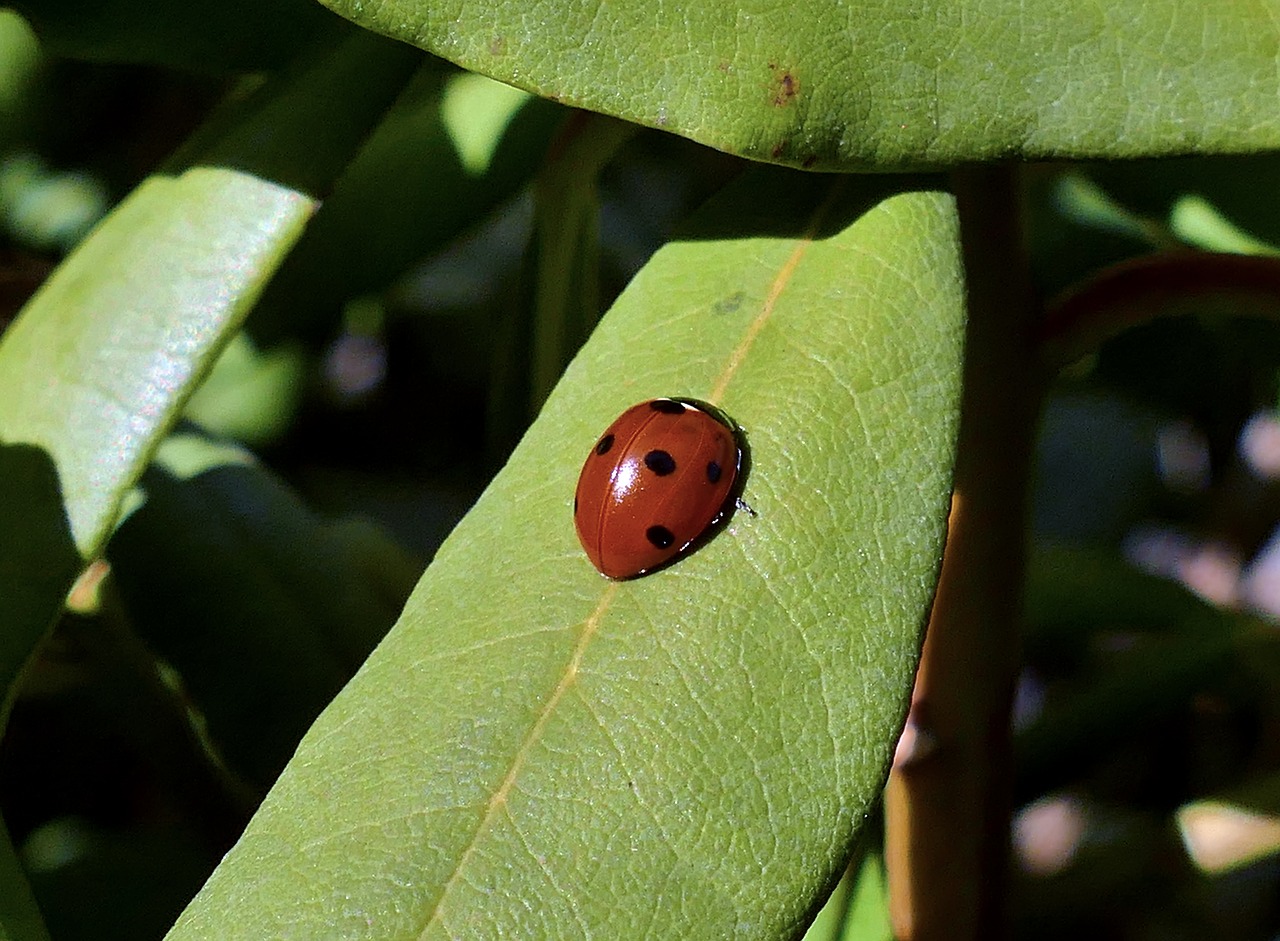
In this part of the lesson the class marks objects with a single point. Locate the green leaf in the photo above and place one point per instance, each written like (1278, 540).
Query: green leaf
(417, 183)
(38, 563)
(536, 752)
(250, 395)
(883, 84)
(858, 909)
(19, 69)
(99, 362)
(38, 560)
(1199, 222)
(19, 917)
(100, 357)
(262, 634)
(867, 918)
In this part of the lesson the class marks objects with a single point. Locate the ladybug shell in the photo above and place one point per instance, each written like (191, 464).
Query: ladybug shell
(655, 481)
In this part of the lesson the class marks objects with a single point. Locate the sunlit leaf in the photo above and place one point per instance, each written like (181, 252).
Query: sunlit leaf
(537, 752)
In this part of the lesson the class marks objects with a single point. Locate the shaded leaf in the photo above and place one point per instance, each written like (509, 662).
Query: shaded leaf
(19, 917)
(121, 884)
(566, 263)
(417, 183)
(20, 65)
(263, 634)
(250, 395)
(212, 37)
(100, 361)
(1181, 646)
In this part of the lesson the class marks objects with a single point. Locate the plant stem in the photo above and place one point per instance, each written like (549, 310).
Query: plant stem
(948, 799)
(566, 223)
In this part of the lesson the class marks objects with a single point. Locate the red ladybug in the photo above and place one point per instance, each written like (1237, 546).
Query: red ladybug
(655, 481)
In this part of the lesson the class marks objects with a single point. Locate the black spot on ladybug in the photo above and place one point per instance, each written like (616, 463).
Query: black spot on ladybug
(660, 536)
(660, 462)
(605, 443)
(575, 505)
(667, 406)
(713, 472)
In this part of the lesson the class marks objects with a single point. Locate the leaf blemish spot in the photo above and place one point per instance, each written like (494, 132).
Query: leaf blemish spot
(730, 304)
(785, 86)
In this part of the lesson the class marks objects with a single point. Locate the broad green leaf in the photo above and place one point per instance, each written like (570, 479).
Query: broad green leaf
(882, 83)
(96, 365)
(100, 361)
(537, 752)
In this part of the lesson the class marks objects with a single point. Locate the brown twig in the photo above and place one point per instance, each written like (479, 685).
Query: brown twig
(947, 803)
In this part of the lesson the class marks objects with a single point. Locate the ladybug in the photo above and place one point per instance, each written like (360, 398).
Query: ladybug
(659, 477)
